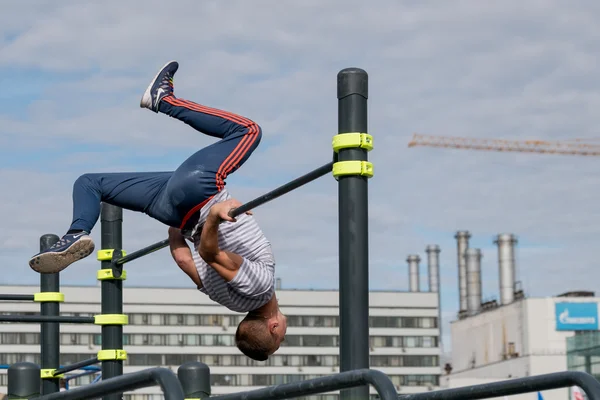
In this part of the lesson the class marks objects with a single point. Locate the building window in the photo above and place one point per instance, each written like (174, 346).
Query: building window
(171, 339)
(403, 322)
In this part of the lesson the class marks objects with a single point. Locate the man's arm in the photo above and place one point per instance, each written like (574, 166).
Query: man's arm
(183, 255)
(226, 264)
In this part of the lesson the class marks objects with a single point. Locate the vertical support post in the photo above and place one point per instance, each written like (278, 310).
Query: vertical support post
(50, 331)
(111, 221)
(23, 381)
(195, 380)
(352, 93)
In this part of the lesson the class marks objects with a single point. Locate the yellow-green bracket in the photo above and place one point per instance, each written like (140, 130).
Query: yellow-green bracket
(49, 374)
(116, 272)
(111, 319)
(49, 297)
(109, 274)
(104, 355)
(345, 168)
(352, 140)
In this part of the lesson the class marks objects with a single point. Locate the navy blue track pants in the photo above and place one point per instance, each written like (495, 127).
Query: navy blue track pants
(172, 197)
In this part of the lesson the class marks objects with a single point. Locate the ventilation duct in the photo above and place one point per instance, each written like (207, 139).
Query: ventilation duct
(473, 264)
(413, 272)
(433, 267)
(462, 244)
(506, 266)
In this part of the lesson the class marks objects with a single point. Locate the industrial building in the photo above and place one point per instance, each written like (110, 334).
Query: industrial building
(583, 351)
(171, 326)
(514, 336)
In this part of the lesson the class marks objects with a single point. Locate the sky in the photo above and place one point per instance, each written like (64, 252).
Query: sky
(72, 74)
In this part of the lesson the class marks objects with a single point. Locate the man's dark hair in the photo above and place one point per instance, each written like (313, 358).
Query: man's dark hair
(254, 339)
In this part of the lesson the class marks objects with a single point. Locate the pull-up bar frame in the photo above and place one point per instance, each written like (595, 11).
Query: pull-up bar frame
(352, 170)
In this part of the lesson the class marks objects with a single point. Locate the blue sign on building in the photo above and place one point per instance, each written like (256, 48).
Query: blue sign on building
(576, 316)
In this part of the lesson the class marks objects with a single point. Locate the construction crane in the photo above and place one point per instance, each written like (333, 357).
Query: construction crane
(575, 147)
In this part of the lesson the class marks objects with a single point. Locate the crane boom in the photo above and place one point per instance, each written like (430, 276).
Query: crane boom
(527, 146)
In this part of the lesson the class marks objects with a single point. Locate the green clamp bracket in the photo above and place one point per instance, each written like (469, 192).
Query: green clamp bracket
(111, 319)
(107, 274)
(352, 140)
(112, 255)
(119, 354)
(344, 168)
(49, 297)
(49, 373)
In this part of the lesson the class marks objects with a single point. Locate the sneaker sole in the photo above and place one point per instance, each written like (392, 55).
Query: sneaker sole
(146, 101)
(51, 263)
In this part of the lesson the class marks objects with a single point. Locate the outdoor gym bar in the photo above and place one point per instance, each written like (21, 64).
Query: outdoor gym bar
(17, 297)
(352, 171)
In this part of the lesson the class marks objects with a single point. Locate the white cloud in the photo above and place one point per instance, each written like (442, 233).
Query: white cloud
(512, 69)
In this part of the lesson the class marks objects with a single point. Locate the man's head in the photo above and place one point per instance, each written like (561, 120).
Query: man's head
(258, 336)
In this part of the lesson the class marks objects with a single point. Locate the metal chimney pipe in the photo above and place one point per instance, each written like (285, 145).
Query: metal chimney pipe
(473, 261)
(462, 244)
(278, 284)
(413, 272)
(433, 261)
(433, 266)
(506, 266)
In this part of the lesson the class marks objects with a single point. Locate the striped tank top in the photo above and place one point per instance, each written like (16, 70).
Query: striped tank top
(253, 285)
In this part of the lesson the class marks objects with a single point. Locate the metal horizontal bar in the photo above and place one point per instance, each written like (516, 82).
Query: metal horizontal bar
(77, 365)
(43, 318)
(344, 380)
(163, 377)
(84, 373)
(142, 252)
(281, 190)
(17, 297)
(288, 187)
(515, 386)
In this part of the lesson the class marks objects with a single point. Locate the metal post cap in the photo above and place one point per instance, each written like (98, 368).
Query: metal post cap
(195, 379)
(23, 380)
(352, 81)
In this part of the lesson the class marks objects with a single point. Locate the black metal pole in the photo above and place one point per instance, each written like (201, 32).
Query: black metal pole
(195, 380)
(351, 379)
(50, 330)
(352, 93)
(283, 189)
(77, 365)
(149, 377)
(16, 297)
(112, 293)
(514, 386)
(47, 319)
(142, 252)
(23, 381)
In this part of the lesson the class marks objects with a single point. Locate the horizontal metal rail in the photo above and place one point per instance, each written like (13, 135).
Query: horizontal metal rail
(265, 198)
(283, 189)
(44, 318)
(17, 297)
(77, 365)
(344, 380)
(515, 386)
(163, 377)
(142, 252)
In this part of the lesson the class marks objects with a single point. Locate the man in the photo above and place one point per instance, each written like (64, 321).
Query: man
(232, 261)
